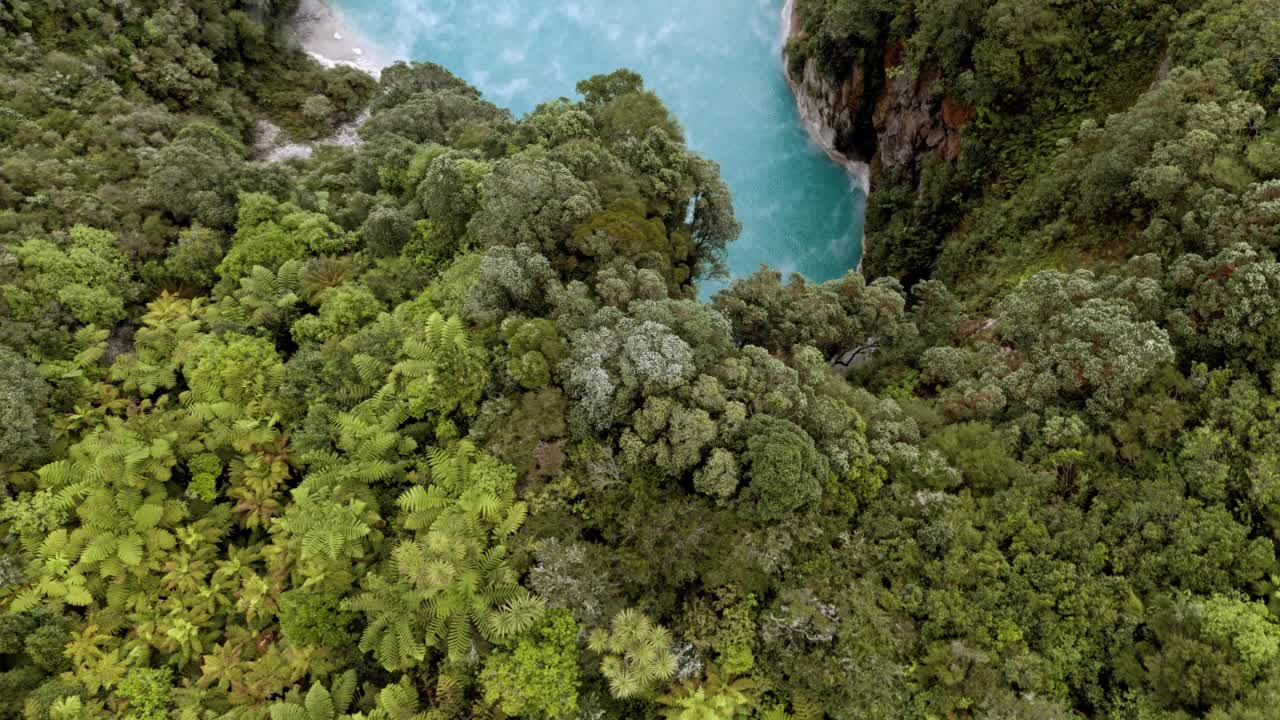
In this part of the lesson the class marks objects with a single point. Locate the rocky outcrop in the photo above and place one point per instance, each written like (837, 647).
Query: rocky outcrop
(824, 105)
(877, 113)
(912, 118)
(273, 146)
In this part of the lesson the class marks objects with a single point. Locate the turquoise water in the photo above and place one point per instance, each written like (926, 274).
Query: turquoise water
(715, 63)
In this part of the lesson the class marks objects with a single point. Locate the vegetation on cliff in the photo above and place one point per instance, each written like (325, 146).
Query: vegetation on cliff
(434, 426)
(1071, 120)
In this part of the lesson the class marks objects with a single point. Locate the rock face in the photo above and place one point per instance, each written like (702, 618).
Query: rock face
(912, 118)
(823, 107)
(878, 113)
(831, 108)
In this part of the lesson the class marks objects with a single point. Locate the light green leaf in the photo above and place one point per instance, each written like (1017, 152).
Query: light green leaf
(26, 600)
(129, 550)
(78, 595)
(148, 516)
(283, 711)
(319, 703)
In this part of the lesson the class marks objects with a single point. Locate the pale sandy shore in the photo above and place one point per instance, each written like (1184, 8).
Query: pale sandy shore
(326, 36)
(329, 38)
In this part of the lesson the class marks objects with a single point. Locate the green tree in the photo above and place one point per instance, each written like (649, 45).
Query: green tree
(147, 693)
(510, 280)
(1210, 649)
(23, 428)
(270, 233)
(534, 349)
(193, 260)
(784, 471)
(431, 116)
(603, 89)
(209, 195)
(451, 192)
(533, 202)
(538, 678)
(87, 278)
(386, 231)
(612, 366)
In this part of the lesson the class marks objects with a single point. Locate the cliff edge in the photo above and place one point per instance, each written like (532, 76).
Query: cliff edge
(877, 113)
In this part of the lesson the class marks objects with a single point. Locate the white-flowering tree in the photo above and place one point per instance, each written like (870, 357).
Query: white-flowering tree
(613, 364)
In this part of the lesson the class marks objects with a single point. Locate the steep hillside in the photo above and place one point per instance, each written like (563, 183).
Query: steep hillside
(432, 426)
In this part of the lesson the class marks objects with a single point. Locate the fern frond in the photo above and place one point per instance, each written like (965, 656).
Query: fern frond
(343, 690)
(459, 637)
(57, 474)
(803, 708)
(319, 703)
(517, 616)
(398, 701)
(99, 549)
(287, 711)
(370, 369)
(515, 517)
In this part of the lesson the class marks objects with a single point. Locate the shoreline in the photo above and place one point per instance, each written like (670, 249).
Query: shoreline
(859, 172)
(331, 40)
(325, 35)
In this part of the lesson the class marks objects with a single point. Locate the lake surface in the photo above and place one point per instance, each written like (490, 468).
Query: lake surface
(715, 63)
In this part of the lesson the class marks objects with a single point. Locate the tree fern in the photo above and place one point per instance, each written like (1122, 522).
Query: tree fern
(113, 483)
(516, 616)
(323, 273)
(714, 698)
(372, 371)
(171, 330)
(92, 341)
(391, 629)
(56, 580)
(635, 653)
(343, 690)
(440, 371)
(452, 576)
(398, 702)
(265, 300)
(420, 506)
(320, 703)
(803, 708)
(372, 447)
(324, 529)
(283, 711)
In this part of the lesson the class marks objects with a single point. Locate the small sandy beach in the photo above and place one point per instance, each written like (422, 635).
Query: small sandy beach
(326, 36)
(329, 38)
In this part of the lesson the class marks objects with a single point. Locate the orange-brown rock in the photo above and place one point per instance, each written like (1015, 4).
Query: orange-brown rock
(956, 114)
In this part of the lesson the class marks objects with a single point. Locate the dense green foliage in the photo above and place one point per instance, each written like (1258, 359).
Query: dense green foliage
(1080, 151)
(434, 427)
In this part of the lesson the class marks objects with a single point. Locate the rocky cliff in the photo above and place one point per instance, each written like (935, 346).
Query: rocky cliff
(828, 109)
(877, 112)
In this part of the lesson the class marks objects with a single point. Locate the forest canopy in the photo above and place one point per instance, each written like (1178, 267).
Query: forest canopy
(435, 426)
